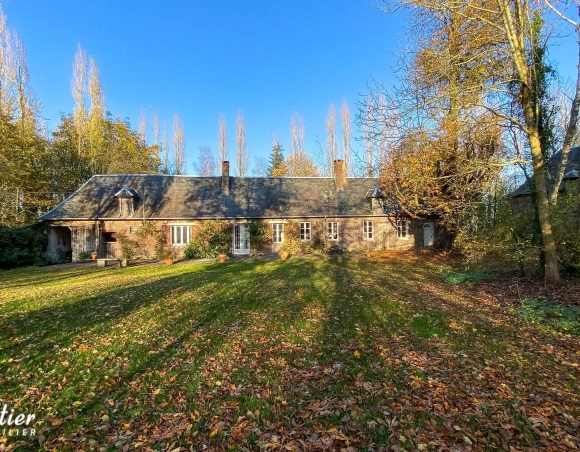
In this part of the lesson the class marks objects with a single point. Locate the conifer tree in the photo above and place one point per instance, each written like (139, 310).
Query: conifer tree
(276, 166)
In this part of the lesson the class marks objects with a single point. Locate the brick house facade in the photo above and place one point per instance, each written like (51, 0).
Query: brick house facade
(350, 212)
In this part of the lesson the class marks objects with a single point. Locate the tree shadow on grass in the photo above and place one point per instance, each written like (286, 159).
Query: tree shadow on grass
(34, 276)
(226, 299)
(418, 355)
(324, 348)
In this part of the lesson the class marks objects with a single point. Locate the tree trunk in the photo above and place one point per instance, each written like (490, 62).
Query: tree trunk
(549, 243)
(444, 237)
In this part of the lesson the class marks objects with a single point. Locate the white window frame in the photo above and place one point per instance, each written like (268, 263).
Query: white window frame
(305, 231)
(368, 230)
(277, 232)
(403, 228)
(184, 239)
(332, 231)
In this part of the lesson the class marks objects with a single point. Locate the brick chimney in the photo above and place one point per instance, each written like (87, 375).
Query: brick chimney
(339, 174)
(225, 177)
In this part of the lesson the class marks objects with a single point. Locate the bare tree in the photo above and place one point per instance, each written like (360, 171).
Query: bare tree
(331, 143)
(388, 130)
(571, 116)
(298, 163)
(143, 127)
(260, 168)
(242, 155)
(24, 104)
(297, 134)
(222, 141)
(156, 137)
(164, 148)
(178, 146)
(346, 135)
(95, 90)
(207, 165)
(369, 134)
(6, 64)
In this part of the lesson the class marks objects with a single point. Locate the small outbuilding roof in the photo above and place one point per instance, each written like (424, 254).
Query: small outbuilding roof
(191, 197)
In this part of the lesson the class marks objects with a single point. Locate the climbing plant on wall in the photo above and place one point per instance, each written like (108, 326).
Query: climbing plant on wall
(213, 237)
(295, 246)
(259, 233)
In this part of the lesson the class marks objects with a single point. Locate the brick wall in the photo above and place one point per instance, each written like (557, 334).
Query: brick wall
(350, 233)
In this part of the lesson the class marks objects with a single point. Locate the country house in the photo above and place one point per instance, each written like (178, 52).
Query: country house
(350, 212)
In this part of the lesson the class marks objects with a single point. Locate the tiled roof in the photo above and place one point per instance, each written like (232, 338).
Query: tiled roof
(571, 167)
(189, 197)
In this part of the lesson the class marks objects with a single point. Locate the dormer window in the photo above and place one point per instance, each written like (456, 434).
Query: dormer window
(128, 200)
(375, 196)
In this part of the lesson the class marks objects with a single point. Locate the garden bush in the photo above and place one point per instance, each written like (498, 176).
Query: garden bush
(295, 246)
(213, 237)
(24, 246)
(259, 234)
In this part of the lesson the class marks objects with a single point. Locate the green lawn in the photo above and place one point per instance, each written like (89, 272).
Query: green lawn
(297, 355)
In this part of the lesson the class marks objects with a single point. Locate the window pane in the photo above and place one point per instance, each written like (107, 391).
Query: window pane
(277, 232)
(305, 231)
(237, 237)
(368, 229)
(332, 231)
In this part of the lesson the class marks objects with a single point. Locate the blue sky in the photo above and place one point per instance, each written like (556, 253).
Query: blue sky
(197, 58)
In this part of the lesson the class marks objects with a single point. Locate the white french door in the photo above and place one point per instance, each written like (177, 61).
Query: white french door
(241, 239)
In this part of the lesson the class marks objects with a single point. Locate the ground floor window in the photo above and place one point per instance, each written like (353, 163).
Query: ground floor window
(108, 237)
(305, 231)
(333, 231)
(402, 228)
(368, 230)
(180, 235)
(277, 232)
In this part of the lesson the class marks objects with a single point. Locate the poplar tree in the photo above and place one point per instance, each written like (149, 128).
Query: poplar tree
(178, 146)
(346, 125)
(97, 152)
(298, 163)
(242, 154)
(79, 89)
(222, 141)
(6, 65)
(331, 143)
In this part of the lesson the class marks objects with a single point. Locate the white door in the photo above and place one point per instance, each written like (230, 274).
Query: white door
(428, 233)
(241, 239)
